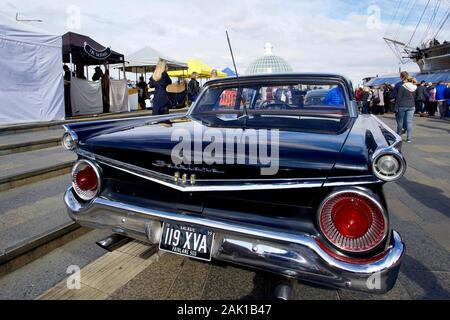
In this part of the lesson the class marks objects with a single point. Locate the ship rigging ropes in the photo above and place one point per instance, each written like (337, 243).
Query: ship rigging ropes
(431, 21)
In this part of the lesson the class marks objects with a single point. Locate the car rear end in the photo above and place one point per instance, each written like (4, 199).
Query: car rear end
(331, 230)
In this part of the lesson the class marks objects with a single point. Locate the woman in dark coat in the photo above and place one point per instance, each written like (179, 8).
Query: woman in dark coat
(160, 80)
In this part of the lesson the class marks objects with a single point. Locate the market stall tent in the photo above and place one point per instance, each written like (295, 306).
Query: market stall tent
(145, 59)
(75, 45)
(195, 65)
(31, 81)
(93, 97)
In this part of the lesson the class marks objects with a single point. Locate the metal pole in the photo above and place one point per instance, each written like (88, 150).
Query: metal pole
(71, 65)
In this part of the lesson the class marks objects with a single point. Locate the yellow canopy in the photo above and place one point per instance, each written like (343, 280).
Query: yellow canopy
(195, 65)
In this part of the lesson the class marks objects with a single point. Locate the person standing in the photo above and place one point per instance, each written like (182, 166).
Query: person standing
(142, 94)
(404, 75)
(358, 97)
(193, 87)
(388, 97)
(365, 100)
(67, 102)
(405, 106)
(98, 74)
(160, 80)
(214, 74)
(421, 97)
(447, 97)
(431, 101)
(378, 101)
(106, 84)
(440, 98)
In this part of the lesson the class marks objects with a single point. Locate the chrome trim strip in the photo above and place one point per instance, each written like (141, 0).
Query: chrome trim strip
(348, 183)
(230, 185)
(206, 185)
(238, 186)
(103, 205)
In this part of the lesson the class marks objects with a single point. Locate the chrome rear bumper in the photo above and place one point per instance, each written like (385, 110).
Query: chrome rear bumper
(292, 255)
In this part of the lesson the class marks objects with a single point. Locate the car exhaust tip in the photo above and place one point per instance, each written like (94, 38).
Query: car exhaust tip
(113, 242)
(283, 290)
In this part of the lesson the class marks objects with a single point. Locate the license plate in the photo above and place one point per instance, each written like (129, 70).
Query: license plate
(186, 240)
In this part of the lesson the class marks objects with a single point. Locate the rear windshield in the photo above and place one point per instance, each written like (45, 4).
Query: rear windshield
(293, 98)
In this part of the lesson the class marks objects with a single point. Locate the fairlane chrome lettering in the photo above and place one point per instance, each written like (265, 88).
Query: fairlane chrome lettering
(163, 164)
(230, 147)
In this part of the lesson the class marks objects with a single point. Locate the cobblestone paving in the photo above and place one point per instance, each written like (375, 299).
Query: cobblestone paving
(419, 206)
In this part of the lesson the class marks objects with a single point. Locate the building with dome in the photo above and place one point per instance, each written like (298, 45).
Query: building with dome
(268, 63)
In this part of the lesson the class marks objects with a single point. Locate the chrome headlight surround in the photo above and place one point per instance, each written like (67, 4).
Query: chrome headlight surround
(388, 164)
(69, 139)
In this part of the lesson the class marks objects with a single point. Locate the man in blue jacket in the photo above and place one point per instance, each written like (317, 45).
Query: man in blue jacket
(447, 96)
(441, 99)
(334, 97)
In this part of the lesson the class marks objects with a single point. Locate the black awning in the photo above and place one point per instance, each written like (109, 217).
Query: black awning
(87, 51)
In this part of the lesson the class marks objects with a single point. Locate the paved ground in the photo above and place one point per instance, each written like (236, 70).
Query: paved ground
(33, 279)
(420, 209)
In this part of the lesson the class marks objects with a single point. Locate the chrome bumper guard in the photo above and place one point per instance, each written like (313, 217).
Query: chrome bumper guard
(293, 255)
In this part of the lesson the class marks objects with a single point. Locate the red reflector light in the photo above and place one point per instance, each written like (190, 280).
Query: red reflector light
(352, 221)
(86, 179)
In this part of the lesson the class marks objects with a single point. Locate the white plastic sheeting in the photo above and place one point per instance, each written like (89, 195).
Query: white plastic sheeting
(118, 96)
(133, 101)
(86, 97)
(31, 76)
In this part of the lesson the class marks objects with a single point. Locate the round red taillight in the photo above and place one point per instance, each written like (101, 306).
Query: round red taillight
(85, 179)
(352, 221)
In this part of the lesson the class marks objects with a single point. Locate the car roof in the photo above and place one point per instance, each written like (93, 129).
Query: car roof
(293, 75)
(282, 76)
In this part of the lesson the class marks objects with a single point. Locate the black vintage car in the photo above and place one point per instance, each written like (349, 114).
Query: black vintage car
(252, 177)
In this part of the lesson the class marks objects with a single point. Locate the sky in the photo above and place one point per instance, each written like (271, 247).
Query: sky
(313, 36)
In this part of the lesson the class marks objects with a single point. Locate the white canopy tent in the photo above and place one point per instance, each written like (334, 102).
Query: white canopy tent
(31, 81)
(145, 59)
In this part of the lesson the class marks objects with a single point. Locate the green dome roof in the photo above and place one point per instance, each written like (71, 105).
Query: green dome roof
(268, 63)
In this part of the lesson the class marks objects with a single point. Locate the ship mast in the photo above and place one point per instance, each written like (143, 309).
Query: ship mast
(406, 52)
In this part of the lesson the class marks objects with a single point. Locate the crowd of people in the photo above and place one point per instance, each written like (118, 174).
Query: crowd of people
(406, 98)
